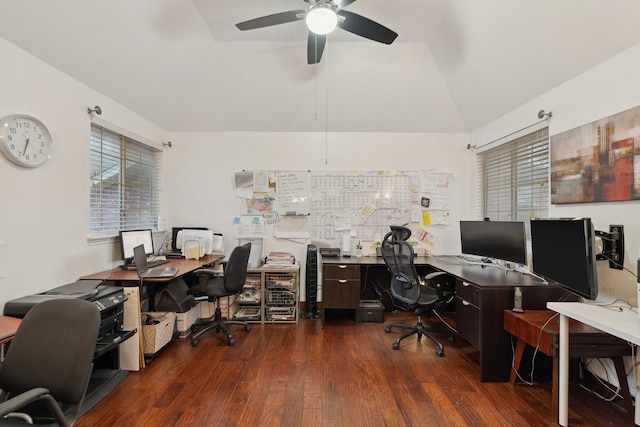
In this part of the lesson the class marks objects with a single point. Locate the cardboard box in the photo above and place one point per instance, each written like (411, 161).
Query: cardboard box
(159, 333)
(207, 309)
(185, 320)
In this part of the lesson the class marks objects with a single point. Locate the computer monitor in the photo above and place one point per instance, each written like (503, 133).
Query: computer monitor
(503, 240)
(563, 252)
(129, 239)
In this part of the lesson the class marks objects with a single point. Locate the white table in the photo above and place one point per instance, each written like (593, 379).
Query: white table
(622, 323)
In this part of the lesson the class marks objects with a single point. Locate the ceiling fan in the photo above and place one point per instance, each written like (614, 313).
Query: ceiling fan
(331, 13)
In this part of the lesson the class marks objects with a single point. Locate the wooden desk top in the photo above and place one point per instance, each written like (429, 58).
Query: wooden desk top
(541, 329)
(184, 266)
(8, 327)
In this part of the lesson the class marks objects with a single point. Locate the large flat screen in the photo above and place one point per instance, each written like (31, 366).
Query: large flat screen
(563, 253)
(129, 239)
(504, 240)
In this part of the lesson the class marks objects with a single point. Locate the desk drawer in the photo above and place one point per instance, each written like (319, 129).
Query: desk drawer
(341, 272)
(468, 321)
(341, 293)
(468, 292)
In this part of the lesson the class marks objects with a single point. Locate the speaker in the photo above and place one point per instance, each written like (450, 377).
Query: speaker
(311, 284)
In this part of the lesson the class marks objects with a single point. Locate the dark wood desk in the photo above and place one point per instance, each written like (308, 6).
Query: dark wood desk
(541, 329)
(482, 294)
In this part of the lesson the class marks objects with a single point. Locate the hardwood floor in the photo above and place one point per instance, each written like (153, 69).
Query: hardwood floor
(343, 375)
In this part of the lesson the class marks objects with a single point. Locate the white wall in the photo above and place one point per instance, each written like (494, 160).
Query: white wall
(44, 212)
(203, 165)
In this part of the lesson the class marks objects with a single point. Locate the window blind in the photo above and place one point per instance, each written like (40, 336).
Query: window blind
(514, 178)
(125, 178)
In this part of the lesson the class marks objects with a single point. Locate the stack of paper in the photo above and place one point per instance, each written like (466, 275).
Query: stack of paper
(280, 259)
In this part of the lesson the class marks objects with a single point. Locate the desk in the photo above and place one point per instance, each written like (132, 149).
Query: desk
(131, 354)
(622, 324)
(8, 327)
(539, 329)
(122, 277)
(482, 294)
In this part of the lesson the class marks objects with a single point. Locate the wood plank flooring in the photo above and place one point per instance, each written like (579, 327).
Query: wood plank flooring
(343, 375)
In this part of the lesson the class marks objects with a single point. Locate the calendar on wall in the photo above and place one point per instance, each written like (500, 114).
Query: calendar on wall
(361, 203)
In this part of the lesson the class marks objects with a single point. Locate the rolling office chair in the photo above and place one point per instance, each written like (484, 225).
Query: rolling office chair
(212, 286)
(406, 287)
(49, 363)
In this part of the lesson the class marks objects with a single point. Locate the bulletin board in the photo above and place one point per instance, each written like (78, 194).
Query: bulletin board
(357, 204)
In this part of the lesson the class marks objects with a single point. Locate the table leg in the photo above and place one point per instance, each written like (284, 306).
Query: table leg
(563, 380)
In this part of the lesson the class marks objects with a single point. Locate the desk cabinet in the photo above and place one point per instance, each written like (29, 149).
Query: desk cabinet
(479, 320)
(341, 287)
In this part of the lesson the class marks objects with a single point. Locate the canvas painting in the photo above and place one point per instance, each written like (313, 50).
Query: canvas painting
(597, 162)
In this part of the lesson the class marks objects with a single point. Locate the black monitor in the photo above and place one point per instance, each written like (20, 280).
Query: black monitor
(129, 239)
(504, 240)
(563, 252)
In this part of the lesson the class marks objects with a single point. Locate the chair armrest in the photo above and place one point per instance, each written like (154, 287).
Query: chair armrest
(208, 271)
(20, 401)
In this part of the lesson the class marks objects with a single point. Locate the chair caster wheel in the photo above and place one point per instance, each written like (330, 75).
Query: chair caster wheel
(231, 341)
(387, 329)
(451, 339)
(439, 353)
(194, 343)
(395, 346)
(247, 328)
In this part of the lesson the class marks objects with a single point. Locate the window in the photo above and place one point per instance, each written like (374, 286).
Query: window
(125, 183)
(514, 178)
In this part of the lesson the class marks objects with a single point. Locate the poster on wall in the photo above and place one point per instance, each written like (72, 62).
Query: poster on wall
(597, 162)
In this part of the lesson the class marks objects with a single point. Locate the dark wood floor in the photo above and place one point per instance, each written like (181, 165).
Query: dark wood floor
(343, 375)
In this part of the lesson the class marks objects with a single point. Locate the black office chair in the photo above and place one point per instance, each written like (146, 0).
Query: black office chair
(211, 286)
(47, 368)
(406, 287)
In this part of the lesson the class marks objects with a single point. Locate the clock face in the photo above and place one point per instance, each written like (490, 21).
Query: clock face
(25, 140)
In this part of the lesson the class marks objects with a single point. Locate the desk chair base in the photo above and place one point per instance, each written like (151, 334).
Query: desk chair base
(216, 321)
(419, 330)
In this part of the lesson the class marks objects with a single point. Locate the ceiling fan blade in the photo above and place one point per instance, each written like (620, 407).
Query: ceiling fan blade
(269, 20)
(344, 3)
(365, 27)
(315, 47)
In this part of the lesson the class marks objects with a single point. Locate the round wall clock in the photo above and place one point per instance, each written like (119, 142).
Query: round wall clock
(25, 140)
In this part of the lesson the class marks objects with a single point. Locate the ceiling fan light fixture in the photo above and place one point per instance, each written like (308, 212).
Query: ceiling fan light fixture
(321, 18)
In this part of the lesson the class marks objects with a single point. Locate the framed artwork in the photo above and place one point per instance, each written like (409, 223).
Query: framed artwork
(597, 162)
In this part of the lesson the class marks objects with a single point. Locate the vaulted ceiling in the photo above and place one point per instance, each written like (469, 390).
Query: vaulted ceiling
(455, 66)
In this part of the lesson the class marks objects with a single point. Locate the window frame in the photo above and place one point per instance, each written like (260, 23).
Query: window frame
(513, 178)
(137, 183)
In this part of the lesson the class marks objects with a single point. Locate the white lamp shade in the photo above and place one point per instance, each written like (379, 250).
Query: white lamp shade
(321, 19)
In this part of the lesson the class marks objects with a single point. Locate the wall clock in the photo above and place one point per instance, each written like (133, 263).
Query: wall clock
(25, 140)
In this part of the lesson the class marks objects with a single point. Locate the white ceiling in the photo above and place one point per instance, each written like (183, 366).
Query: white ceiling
(455, 66)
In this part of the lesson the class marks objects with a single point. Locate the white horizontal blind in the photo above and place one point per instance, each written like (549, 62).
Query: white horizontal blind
(515, 178)
(125, 181)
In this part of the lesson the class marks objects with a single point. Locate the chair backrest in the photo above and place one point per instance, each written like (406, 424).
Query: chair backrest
(53, 348)
(398, 255)
(235, 271)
